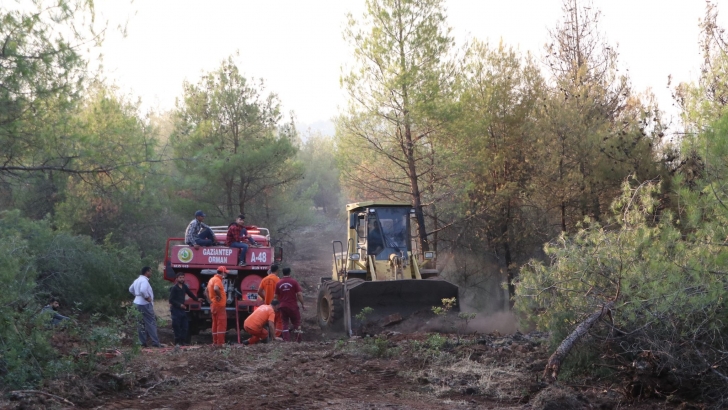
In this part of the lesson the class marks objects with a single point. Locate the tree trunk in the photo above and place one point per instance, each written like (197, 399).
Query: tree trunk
(267, 209)
(417, 198)
(410, 150)
(561, 179)
(507, 254)
(596, 206)
(242, 194)
(551, 372)
(433, 207)
(229, 195)
(435, 227)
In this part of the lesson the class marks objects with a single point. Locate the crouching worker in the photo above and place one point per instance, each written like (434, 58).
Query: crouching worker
(264, 316)
(178, 309)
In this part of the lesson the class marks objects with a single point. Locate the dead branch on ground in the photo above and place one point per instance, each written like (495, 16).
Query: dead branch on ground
(551, 372)
(42, 393)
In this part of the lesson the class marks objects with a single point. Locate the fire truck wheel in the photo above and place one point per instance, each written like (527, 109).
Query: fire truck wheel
(330, 309)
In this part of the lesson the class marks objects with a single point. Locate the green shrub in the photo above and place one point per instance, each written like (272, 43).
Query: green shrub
(379, 346)
(36, 262)
(94, 278)
(436, 341)
(664, 272)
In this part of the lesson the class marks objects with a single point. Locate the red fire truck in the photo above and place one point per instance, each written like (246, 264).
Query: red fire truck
(241, 285)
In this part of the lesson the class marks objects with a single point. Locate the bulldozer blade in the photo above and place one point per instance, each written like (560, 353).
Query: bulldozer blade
(397, 297)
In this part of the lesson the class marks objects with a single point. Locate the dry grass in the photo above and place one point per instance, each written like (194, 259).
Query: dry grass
(504, 383)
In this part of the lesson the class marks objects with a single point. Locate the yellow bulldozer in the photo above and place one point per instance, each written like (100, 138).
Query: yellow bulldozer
(379, 268)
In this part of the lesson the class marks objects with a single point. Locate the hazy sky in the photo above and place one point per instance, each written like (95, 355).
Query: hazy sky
(296, 46)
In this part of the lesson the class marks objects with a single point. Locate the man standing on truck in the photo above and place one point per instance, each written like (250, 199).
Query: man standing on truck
(256, 324)
(178, 309)
(198, 233)
(289, 293)
(267, 288)
(217, 298)
(144, 302)
(237, 236)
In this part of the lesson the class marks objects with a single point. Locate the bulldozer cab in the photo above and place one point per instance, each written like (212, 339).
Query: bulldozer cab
(387, 232)
(378, 269)
(381, 231)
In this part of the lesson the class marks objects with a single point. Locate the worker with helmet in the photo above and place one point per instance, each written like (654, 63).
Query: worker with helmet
(217, 298)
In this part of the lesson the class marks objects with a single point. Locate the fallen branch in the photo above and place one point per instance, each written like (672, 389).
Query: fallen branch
(157, 384)
(551, 372)
(712, 367)
(42, 393)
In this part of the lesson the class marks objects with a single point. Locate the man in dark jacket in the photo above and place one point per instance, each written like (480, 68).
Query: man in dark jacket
(178, 309)
(51, 310)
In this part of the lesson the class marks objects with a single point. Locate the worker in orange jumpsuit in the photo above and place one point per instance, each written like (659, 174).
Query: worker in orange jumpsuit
(267, 292)
(217, 298)
(256, 323)
(267, 288)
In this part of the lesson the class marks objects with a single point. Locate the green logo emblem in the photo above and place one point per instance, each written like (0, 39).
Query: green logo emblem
(185, 255)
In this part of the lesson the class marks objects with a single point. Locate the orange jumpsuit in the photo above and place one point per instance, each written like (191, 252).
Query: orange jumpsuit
(256, 323)
(269, 285)
(217, 310)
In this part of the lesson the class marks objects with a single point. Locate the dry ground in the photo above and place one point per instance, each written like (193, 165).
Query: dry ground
(396, 371)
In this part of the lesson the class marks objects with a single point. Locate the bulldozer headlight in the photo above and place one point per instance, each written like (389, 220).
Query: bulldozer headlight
(354, 256)
(429, 255)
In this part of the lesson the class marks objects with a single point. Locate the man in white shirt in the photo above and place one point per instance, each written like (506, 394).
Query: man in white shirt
(144, 302)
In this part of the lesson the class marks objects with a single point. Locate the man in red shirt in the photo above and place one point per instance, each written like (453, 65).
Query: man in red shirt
(237, 237)
(217, 298)
(289, 293)
(255, 324)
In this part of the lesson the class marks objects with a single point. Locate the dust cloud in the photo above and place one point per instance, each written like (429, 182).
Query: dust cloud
(481, 280)
(503, 323)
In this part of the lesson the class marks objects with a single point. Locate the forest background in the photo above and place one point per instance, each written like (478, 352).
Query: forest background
(547, 173)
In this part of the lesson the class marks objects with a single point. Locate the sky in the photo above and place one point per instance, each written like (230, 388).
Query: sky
(297, 46)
